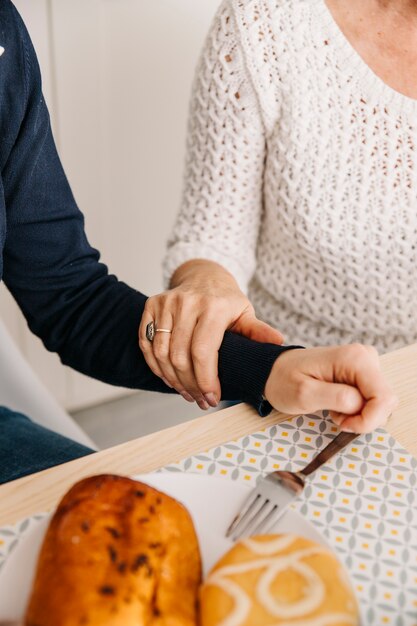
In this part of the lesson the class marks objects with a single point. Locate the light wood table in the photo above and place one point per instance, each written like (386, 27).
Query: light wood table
(42, 491)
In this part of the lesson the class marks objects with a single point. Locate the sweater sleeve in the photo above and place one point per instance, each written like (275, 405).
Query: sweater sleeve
(221, 208)
(68, 297)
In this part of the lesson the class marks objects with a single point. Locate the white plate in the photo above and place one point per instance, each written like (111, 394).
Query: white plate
(212, 503)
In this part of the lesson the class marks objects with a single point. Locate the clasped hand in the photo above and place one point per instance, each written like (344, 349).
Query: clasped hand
(204, 302)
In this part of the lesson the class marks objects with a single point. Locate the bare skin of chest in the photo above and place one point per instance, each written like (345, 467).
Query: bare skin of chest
(384, 34)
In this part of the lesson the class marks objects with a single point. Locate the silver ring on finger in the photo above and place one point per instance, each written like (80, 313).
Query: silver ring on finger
(150, 331)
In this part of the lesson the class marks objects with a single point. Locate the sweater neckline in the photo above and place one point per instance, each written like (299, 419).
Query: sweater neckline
(351, 61)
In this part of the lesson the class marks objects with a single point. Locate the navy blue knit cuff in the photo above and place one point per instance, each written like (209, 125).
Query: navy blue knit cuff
(244, 368)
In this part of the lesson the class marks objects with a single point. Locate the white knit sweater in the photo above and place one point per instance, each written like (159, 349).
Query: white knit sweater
(301, 177)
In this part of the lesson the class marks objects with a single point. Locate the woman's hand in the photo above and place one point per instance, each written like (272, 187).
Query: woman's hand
(204, 302)
(347, 380)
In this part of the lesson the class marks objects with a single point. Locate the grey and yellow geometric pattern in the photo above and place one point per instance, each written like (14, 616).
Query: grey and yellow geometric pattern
(10, 535)
(364, 502)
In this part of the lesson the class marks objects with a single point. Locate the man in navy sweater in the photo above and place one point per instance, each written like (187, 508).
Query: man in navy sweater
(69, 299)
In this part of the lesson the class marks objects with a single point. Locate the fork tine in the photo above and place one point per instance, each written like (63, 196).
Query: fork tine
(251, 528)
(244, 528)
(267, 522)
(247, 506)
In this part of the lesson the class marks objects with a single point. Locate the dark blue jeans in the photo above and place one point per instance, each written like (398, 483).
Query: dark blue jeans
(26, 447)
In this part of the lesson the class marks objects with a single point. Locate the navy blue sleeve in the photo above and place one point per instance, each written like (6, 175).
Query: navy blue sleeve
(69, 299)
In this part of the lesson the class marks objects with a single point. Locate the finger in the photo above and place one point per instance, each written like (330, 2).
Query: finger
(146, 346)
(374, 414)
(249, 326)
(180, 353)
(359, 365)
(379, 399)
(207, 339)
(337, 417)
(160, 349)
(338, 398)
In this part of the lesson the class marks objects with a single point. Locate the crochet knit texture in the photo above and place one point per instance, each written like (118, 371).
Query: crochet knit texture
(301, 177)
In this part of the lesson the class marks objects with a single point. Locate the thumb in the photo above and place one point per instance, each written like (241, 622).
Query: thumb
(338, 398)
(249, 326)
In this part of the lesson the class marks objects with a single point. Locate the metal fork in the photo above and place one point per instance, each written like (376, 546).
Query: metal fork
(275, 492)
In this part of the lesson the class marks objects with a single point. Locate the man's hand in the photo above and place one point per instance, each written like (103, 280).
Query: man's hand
(347, 380)
(204, 302)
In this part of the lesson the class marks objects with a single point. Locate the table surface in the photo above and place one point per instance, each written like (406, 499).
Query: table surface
(42, 491)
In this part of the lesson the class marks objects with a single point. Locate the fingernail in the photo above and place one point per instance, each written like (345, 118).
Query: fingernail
(187, 396)
(211, 399)
(167, 383)
(203, 405)
(348, 430)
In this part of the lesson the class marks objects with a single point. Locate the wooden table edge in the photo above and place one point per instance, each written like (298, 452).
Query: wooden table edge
(41, 491)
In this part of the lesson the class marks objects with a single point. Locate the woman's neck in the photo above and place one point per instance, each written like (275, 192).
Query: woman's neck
(384, 33)
(396, 8)
(391, 18)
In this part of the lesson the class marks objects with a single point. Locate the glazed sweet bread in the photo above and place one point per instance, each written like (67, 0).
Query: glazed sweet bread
(279, 580)
(117, 553)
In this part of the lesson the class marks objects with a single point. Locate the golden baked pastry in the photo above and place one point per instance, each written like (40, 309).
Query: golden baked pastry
(117, 553)
(278, 579)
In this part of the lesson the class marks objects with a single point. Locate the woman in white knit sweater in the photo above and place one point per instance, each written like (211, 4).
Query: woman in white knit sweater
(301, 179)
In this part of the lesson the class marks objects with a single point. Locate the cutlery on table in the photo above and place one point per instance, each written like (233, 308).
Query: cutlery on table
(275, 492)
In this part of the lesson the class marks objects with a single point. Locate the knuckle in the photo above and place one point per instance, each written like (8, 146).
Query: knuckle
(149, 304)
(206, 300)
(179, 360)
(200, 352)
(210, 305)
(161, 352)
(144, 346)
(190, 297)
(169, 298)
(355, 350)
(183, 302)
(205, 379)
(154, 369)
(204, 385)
(218, 306)
(343, 398)
(160, 300)
(183, 298)
(303, 391)
(371, 350)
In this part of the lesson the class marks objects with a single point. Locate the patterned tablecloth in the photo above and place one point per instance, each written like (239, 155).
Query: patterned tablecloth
(363, 502)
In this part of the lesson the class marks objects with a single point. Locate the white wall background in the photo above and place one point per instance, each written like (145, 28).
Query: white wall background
(117, 76)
